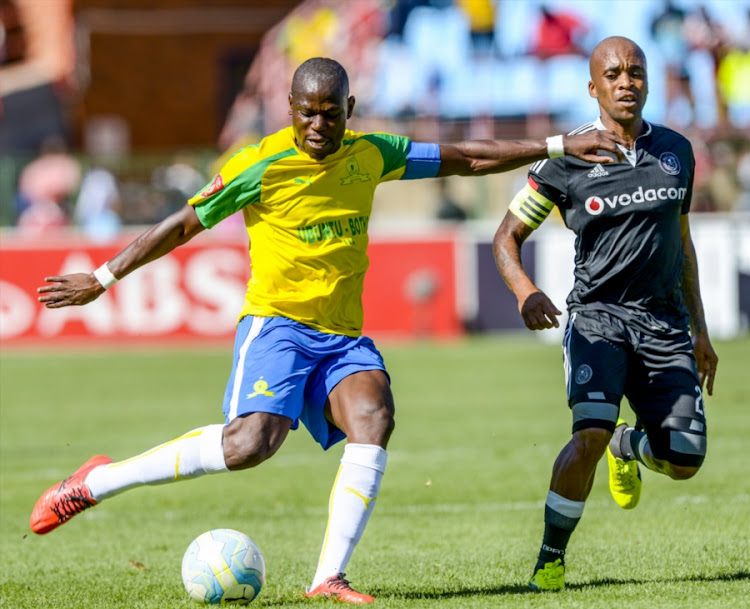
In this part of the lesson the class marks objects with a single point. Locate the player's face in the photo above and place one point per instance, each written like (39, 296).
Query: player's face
(619, 82)
(319, 115)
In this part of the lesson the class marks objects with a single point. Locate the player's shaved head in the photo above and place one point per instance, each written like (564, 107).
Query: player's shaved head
(320, 105)
(320, 72)
(619, 83)
(610, 47)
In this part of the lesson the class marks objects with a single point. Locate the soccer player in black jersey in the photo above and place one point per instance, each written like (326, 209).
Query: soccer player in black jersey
(636, 326)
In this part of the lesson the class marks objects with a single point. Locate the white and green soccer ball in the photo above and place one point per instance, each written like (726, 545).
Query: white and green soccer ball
(223, 566)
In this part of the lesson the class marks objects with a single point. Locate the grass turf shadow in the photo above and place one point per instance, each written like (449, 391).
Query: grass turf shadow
(524, 589)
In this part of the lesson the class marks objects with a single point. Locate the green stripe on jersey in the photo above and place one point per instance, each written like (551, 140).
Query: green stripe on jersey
(243, 190)
(392, 149)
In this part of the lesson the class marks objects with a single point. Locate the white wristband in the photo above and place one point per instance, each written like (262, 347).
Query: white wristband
(555, 146)
(105, 276)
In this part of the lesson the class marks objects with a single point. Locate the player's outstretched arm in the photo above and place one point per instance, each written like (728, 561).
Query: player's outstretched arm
(481, 157)
(705, 357)
(537, 310)
(160, 239)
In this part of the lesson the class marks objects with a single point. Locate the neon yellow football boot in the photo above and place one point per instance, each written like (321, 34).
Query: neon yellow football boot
(549, 577)
(624, 479)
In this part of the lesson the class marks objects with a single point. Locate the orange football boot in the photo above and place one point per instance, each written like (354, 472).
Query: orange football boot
(338, 588)
(60, 502)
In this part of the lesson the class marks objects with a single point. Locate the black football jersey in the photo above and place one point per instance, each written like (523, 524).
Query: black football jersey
(626, 218)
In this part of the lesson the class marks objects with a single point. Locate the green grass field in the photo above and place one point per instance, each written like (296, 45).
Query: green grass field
(459, 517)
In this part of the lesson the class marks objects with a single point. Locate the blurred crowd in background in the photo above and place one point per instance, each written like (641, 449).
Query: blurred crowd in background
(437, 70)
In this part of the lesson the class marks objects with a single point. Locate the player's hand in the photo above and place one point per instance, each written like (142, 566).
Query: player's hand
(706, 361)
(539, 312)
(592, 145)
(67, 290)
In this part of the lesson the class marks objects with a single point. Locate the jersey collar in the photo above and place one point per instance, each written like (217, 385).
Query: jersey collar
(600, 125)
(630, 155)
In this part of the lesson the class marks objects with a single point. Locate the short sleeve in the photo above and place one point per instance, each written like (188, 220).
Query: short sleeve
(393, 149)
(549, 178)
(237, 185)
(216, 200)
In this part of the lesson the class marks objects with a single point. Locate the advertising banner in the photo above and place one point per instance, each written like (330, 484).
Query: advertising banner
(196, 292)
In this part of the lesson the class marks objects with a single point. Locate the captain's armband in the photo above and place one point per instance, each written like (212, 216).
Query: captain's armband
(531, 207)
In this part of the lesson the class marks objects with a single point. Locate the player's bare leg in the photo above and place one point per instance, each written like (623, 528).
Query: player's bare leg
(361, 405)
(250, 440)
(574, 469)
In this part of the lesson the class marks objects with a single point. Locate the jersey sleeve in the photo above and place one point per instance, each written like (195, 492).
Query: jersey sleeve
(403, 159)
(234, 187)
(543, 190)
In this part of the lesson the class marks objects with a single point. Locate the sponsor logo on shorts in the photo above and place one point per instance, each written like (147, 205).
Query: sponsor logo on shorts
(583, 374)
(669, 163)
(596, 205)
(260, 388)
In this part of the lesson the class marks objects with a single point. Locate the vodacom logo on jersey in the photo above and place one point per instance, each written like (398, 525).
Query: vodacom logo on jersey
(596, 205)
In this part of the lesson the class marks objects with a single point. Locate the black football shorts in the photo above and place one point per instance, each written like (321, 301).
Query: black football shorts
(606, 359)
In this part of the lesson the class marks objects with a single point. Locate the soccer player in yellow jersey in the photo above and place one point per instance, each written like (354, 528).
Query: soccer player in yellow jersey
(306, 194)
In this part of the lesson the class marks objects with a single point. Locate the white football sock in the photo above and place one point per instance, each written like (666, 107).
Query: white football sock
(351, 503)
(193, 454)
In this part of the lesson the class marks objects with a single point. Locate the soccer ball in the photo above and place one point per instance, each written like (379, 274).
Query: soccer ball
(223, 566)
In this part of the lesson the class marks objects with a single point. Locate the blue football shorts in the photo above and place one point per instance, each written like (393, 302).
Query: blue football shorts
(284, 367)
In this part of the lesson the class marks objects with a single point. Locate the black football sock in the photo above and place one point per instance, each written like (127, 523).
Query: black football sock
(557, 531)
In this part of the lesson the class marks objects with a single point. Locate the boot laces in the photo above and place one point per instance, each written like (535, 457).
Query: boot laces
(70, 504)
(339, 582)
(625, 475)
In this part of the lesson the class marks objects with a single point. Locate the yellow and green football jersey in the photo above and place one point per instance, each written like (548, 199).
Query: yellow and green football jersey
(307, 222)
